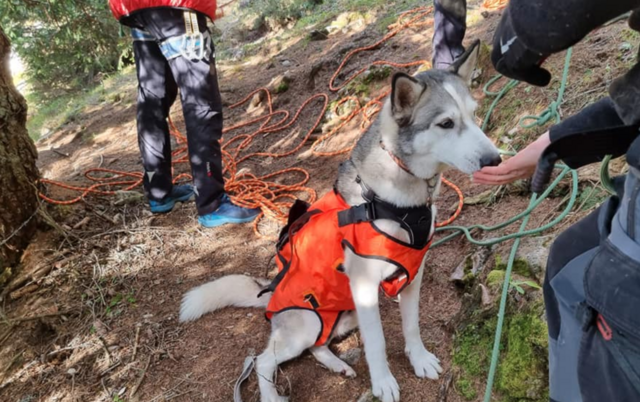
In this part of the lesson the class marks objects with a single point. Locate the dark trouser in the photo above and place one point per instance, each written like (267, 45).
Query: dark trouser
(448, 31)
(159, 78)
(592, 297)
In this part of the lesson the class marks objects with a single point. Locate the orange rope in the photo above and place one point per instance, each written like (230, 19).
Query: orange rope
(494, 4)
(267, 192)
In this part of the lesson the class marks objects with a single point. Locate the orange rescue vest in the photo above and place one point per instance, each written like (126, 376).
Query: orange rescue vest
(310, 257)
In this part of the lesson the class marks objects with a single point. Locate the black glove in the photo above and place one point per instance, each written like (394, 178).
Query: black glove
(512, 58)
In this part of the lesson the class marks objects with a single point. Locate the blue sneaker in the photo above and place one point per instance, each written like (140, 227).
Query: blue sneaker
(178, 194)
(227, 212)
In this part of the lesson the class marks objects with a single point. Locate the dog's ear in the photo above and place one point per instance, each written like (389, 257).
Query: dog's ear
(466, 63)
(405, 94)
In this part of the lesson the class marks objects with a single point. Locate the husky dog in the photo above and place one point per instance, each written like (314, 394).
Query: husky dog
(425, 126)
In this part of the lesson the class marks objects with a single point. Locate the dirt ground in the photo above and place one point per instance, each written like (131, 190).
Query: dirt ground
(92, 314)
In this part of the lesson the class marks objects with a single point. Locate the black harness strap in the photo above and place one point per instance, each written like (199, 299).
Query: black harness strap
(416, 220)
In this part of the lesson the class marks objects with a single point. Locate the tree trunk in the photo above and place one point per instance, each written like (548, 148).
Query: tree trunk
(18, 171)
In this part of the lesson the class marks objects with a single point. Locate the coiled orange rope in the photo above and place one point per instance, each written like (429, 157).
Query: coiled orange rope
(267, 192)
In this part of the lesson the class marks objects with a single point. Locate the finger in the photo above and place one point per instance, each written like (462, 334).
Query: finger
(480, 177)
(500, 170)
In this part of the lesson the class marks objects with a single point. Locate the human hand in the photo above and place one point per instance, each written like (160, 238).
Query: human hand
(520, 166)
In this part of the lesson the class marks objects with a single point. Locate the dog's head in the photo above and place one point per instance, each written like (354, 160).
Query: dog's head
(429, 120)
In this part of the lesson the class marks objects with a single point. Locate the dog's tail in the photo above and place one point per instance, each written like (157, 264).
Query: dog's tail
(232, 290)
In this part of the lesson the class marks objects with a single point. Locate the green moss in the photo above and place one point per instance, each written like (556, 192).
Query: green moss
(466, 388)
(522, 372)
(283, 87)
(520, 266)
(523, 369)
(495, 278)
(377, 74)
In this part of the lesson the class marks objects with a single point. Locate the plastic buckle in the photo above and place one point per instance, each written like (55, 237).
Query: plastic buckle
(193, 46)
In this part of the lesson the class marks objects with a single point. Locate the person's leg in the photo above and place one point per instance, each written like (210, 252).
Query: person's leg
(563, 292)
(193, 68)
(157, 91)
(609, 365)
(448, 31)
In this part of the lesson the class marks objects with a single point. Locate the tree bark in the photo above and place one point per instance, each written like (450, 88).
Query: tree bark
(18, 171)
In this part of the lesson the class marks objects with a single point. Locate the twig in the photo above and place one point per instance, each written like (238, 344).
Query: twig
(167, 392)
(135, 343)
(100, 214)
(37, 317)
(15, 358)
(104, 387)
(444, 387)
(168, 398)
(106, 348)
(144, 372)
(15, 232)
(8, 332)
(60, 153)
(107, 371)
(23, 291)
(55, 352)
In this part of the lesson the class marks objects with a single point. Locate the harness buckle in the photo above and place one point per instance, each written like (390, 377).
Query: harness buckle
(193, 46)
(365, 212)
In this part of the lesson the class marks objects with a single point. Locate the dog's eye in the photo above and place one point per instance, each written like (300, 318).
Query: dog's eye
(446, 124)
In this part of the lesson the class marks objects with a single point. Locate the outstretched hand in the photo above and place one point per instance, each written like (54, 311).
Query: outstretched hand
(520, 166)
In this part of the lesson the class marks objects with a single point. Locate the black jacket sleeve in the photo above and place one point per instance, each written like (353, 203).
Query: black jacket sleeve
(550, 26)
(599, 116)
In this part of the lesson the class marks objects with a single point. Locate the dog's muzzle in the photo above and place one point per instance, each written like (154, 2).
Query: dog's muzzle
(490, 160)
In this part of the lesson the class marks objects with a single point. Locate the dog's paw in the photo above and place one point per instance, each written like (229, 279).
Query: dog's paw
(348, 371)
(386, 388)
(340, 367)
(425, 364)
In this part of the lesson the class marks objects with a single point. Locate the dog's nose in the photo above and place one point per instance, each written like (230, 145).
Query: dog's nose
(490, 160)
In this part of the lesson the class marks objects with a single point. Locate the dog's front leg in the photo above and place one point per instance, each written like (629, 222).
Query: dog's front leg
(424, 363)
(365, 276)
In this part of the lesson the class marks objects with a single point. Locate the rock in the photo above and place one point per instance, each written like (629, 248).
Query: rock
(466, 272)
(352, 356)
(256, 101)
(495, 279)
(534, 251)
(319, 34)
(238, 54)
(486, 296)
(117, 218)
(311, 76)
(286, 63)
(281, 83)
(458, 273)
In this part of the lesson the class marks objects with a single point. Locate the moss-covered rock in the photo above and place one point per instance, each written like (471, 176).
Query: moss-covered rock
(523, 369)
(495, 279)
(520, 267)
(522, 372)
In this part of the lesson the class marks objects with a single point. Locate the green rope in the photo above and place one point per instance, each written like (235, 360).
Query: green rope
(550, 113)
(605, 179)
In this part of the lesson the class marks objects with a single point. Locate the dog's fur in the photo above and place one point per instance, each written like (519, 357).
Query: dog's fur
(428, 123)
